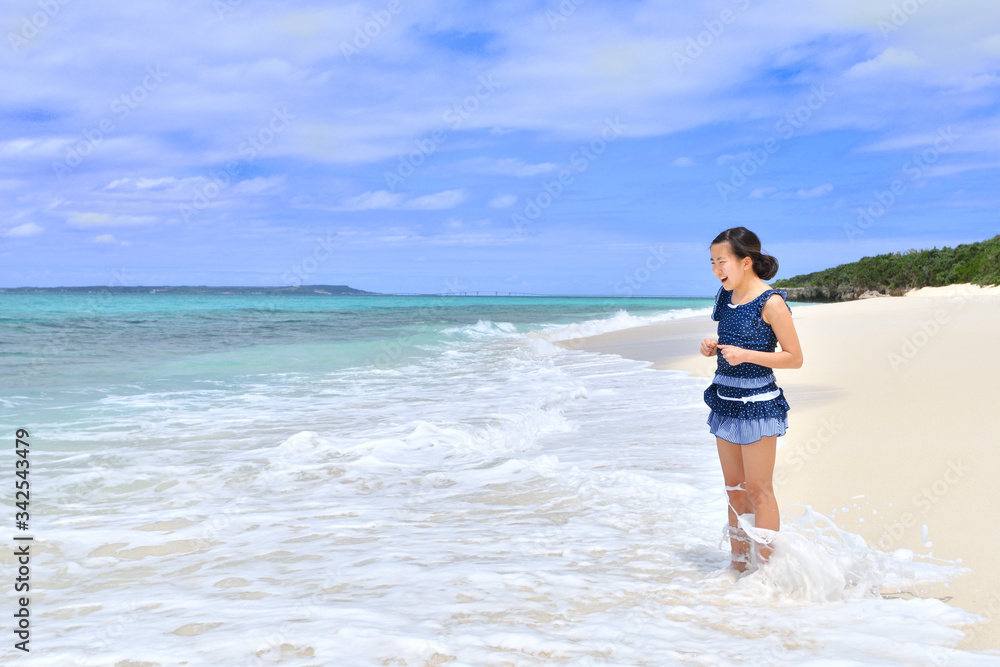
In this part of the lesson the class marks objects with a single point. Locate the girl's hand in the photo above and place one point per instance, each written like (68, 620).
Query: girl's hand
(708, 347)
(733, 355)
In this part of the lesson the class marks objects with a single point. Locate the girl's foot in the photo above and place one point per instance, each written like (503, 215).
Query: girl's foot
(739, 541)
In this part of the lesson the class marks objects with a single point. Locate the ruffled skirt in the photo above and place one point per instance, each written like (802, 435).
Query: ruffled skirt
(746, 421)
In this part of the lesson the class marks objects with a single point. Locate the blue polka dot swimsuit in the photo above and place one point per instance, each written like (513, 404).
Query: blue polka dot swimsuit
(735, 416)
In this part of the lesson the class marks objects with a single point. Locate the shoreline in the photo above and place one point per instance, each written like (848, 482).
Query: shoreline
(879, 435)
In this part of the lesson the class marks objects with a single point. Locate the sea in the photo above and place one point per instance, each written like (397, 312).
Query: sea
(407, 481)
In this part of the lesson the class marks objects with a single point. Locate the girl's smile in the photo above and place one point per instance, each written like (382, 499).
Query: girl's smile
(725, 266)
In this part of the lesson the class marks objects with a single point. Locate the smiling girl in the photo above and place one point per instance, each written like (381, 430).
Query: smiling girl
(748, 409)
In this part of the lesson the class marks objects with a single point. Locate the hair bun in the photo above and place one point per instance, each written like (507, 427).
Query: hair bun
(765, 266)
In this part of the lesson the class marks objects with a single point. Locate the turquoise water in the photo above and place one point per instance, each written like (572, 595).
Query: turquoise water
(53, 341)
(80, 363)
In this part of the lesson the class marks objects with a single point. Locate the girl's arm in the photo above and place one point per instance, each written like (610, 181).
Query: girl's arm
(776, 314)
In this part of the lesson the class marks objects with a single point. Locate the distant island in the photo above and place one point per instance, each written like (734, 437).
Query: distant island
(892, 274)
(322, 290)
(895, 274)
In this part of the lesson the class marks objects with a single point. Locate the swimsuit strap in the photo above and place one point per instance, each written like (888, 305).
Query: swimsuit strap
(720, 299)
(759, 310)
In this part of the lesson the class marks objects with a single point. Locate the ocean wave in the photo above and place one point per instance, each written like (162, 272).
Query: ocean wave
(482, 328)
(620, 320)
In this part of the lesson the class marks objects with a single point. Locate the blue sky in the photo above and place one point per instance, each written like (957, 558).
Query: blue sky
(566, 146)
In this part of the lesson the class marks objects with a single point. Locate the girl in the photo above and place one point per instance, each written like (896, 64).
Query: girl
(749, 410)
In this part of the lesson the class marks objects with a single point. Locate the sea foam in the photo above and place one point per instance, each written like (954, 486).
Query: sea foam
(491, 501)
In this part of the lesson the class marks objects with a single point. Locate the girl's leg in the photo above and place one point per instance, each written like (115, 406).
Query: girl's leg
(758, 466)
(731, 457)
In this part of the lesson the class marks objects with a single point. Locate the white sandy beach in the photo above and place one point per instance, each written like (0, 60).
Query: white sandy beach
(890, 429)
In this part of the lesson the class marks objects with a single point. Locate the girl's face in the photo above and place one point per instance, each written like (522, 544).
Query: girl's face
(730, 270)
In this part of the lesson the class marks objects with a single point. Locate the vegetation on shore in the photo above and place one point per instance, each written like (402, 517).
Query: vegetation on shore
(977, 263)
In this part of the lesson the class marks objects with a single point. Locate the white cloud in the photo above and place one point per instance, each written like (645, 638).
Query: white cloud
(990, 45)
(458, 223)
(24, 147)
(154, 183)
(942, 136)
(373, 200)
(383, 199)
(502, 201)
(224, 76)
(727, 158)
(356, 120)
(117, 183)
(105, 238)
(892, 59)
(952, 169)
(260, 185)
(27, 229)
(436, 202)
(506, 167)
(813, 193)
(762, 193)
(142, 183)
(979, 82)
(802, 193)
(535, 169)
(90, 220)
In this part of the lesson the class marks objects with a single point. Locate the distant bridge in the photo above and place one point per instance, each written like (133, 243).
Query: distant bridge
(566, 296)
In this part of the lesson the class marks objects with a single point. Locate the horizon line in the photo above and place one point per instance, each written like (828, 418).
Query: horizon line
(353, 291)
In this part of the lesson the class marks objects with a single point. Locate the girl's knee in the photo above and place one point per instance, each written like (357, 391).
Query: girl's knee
(760, 492)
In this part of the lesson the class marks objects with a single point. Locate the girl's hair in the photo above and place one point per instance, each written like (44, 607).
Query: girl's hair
(745, 243)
